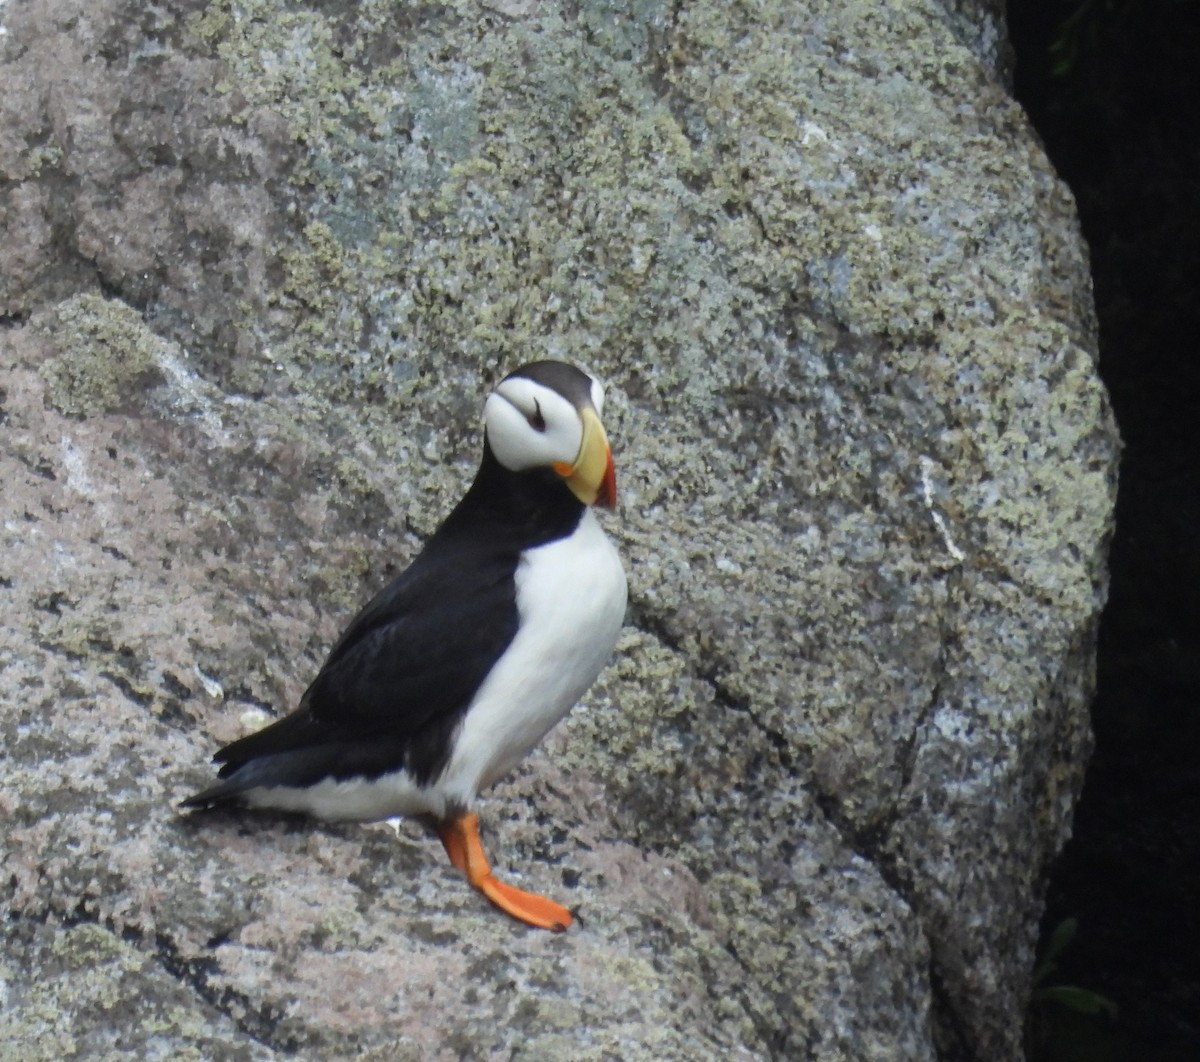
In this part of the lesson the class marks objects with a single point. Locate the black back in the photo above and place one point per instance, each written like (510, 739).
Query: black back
(399, 680)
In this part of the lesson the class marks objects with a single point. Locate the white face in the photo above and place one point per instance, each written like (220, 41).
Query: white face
(531, 426)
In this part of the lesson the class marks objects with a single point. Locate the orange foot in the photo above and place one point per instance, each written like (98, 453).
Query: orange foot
(461, 840)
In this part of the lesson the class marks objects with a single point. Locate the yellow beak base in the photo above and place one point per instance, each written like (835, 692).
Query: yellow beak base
(592, 478)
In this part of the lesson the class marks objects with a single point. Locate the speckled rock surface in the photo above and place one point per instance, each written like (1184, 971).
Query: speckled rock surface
(259, 262)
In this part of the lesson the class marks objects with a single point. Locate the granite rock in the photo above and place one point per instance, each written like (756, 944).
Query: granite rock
(259, 262)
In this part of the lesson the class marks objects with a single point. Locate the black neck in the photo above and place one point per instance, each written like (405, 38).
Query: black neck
(517, 510)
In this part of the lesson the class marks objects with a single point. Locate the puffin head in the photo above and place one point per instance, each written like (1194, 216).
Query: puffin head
(547, 415)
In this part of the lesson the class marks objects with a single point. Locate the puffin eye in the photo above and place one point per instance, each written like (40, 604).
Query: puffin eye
(536, 421)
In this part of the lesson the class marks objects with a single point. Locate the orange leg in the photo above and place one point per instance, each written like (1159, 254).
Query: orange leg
(461, 840)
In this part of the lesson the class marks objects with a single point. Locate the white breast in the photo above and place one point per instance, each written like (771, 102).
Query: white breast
(571, 601)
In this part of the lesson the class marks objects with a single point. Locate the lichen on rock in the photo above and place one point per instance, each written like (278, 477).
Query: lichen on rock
(103, 354)
(261, 264)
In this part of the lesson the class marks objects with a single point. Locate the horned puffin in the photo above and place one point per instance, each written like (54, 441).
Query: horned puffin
(453, 672)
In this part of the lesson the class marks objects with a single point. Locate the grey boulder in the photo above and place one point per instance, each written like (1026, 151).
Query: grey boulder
(258, 265)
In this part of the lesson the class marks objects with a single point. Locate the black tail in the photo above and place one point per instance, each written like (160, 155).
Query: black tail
(300, 768)
(222, 793)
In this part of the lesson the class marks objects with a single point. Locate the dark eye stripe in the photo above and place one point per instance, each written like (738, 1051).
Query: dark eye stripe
(537, 422)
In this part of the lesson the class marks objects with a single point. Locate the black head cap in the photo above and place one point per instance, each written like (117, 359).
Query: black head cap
(575, 385)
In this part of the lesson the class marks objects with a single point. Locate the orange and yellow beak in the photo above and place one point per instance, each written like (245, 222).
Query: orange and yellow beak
(592, 478)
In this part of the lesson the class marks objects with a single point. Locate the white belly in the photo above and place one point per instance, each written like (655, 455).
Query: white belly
(389, 796)
(571, 600)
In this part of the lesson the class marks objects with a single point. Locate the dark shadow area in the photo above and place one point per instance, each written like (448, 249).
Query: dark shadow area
(1113, 87)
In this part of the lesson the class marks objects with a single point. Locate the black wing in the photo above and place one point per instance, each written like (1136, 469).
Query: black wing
(396, 684)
